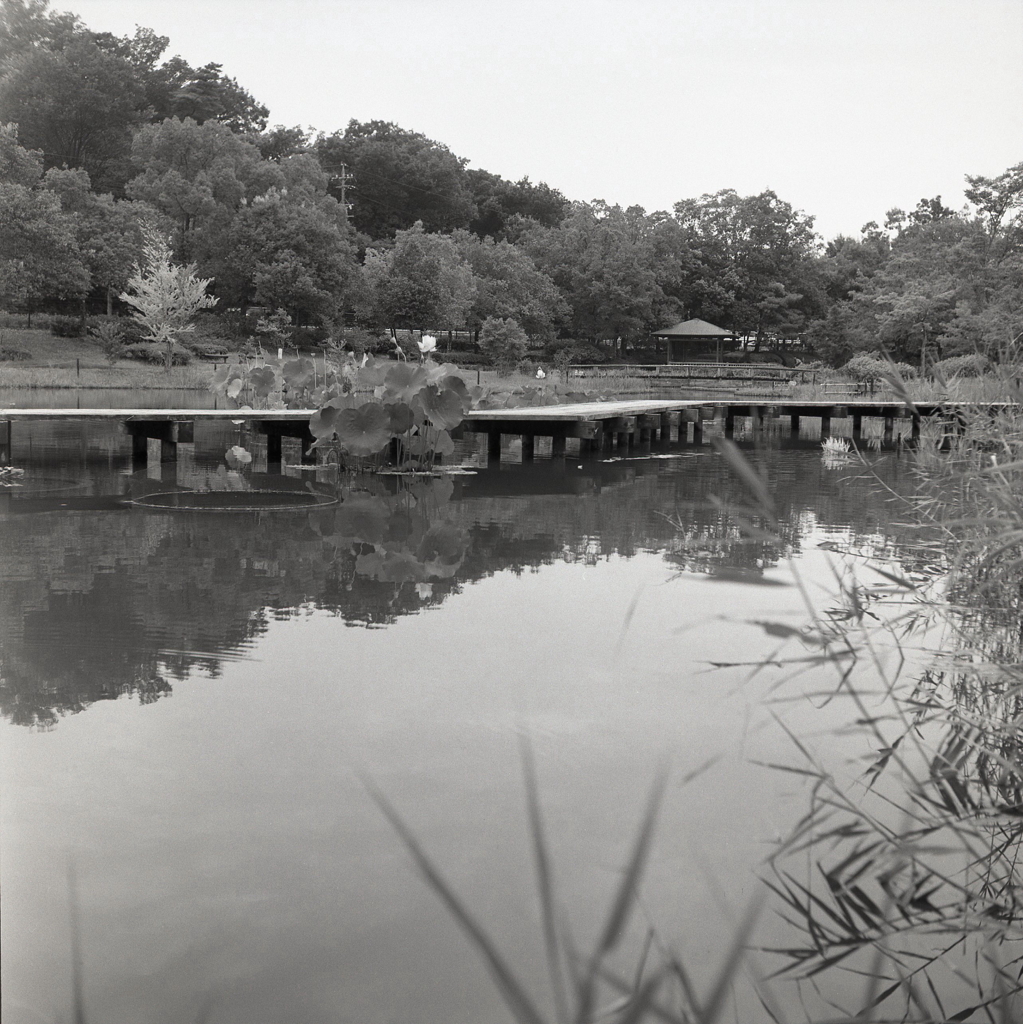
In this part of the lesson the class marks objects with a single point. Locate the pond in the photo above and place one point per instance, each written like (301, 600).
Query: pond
(197, 703)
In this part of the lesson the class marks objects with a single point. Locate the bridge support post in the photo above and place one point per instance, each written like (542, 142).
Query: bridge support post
(666, 427)
(558, 446)
(528, 447)
(729, 423)
(139, 452)
(273, 449)
(825, 426)
(494, 446)
(5, 442)
(857, 430)
(889, 429)
(794, 424)
(915, 430)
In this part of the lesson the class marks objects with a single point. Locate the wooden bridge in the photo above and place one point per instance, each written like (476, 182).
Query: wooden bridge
(599, 426)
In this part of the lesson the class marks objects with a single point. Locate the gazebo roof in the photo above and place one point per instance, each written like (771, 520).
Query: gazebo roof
(693, 329)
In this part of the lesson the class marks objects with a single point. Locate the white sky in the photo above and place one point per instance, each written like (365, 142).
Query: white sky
(844, 107)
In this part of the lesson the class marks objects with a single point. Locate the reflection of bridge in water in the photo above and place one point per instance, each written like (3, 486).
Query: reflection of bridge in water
(596, 427)
(99, 597)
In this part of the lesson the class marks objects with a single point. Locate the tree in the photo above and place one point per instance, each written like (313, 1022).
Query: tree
(192, 172)
(601, 259)
(509, 285)
(40, 258)
(758, 253)
(107, 230)
(399, 177)
(165, 297)
(421, 281)
(498, 201)
(78, 104)
(288, 249)
(504, 341)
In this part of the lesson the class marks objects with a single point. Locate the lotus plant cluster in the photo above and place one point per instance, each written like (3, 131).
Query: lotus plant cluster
(363, 404)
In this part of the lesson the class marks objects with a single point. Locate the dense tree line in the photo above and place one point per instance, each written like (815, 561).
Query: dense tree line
(381, 227)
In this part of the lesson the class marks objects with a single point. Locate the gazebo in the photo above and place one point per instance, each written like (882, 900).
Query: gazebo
(690, 339)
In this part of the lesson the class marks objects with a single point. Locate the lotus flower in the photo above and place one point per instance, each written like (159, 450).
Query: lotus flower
(539, 373)
(427, 345)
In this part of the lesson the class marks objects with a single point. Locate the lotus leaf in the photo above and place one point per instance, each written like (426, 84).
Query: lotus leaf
(234, 388)
(404, 381)
(323, 423)
(454, 383)
(436, 372)
(402, 418)
(443, 407)
(262, 380)
(437, 441)
(298, 373)
(364, 430)
(375, 371)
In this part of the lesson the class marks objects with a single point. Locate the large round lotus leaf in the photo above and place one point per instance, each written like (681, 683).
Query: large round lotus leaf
(234, 387)
(262, 380)
(443, 444)
(436, 372)
(443, 406)
(365, 430)
(404, 381)
(374, 372)
(454, 383)
(401, 415)
(298, 373)
(323, 422)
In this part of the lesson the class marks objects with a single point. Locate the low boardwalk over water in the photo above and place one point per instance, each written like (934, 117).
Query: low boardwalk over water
(599, 426)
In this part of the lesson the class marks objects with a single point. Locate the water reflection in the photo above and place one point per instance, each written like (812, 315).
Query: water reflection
(100, 598)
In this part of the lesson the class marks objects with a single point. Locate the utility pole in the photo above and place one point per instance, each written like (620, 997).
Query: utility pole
(344, 181)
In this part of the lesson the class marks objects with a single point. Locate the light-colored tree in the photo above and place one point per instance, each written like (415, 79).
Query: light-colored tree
(165, 297)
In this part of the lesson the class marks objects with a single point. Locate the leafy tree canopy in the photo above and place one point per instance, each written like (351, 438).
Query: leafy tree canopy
(398, 176)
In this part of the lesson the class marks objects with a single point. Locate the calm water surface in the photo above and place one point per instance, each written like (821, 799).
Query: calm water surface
(191, 699)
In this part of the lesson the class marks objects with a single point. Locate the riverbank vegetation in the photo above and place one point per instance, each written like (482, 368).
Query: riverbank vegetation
(425, 242)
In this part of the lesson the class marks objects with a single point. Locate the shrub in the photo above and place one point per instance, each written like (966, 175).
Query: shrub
(66, 326)
(207, 349)
(467, 358)
(873, 370)
(128, 328)
(504, 341)
(152, 352)
(974, 365)
(307, 337)
(361, 340)
(13, 355)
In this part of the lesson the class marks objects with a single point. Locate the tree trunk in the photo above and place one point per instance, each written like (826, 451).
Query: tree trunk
(110, 301)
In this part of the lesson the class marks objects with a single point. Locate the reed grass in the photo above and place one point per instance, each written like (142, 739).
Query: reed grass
(906, 878)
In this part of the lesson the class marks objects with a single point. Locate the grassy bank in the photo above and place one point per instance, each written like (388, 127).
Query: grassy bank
(38, 359)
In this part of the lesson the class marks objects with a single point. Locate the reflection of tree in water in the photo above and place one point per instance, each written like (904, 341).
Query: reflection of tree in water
(96, 605)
